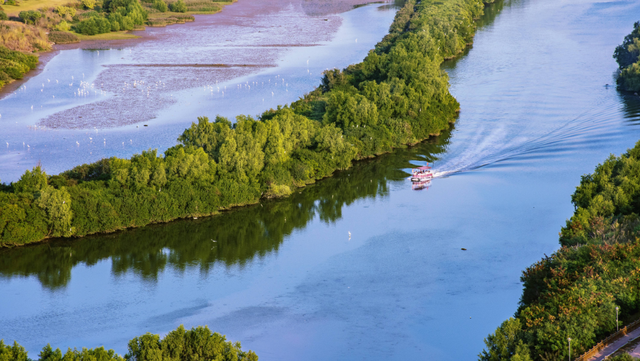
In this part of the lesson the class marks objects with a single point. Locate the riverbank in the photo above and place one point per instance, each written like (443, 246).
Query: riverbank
(51, 25)
(237, 164)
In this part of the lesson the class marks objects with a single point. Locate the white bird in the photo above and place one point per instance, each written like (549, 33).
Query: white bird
(349, 234)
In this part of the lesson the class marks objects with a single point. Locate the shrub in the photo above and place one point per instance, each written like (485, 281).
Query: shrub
(63, 37)
(3, 15)
(160, 5)
(30, 16)
(178, 7)
(89, 4)
(65, 10)
(93, 26)
(628, 57)
(61, 26)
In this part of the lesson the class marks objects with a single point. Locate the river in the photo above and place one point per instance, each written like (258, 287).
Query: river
(285, 278)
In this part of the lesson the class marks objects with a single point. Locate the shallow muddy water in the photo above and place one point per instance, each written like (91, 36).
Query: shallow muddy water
(285, 278)
(121, 101)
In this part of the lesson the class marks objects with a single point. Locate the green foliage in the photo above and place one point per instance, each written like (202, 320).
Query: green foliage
(178, 7)
(603, 198)
(88, 4)
(574, 292)
(31, 182)
(66, 10)
(3, 15)
(506, 343)
(12, 353)
(30, 16)
(199, 343)
(120, 15)
(627, 55)
(61, 27)
(160, 5)
(241, 235)
(629, 78)
(94, 25)
(398, 95)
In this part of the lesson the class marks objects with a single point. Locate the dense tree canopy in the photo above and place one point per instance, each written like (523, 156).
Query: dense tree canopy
(627, 55)
(199, 343)
(574, 292)
(398, 95)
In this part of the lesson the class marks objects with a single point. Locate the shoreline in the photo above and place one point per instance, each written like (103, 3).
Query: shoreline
(221, 210)
(247, 194)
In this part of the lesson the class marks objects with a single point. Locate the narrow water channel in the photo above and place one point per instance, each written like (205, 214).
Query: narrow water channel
(285, 278)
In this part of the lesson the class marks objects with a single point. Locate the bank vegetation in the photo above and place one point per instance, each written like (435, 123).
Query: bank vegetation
(575, 291)
(397, 96)
(199, 343)
(627, 55)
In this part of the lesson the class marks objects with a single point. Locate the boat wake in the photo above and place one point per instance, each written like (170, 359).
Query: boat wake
(484, 148)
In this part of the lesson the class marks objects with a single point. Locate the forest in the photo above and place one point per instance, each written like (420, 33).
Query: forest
(397, 96)
(627, 55)
(241, 236)
(575, 291)
(199, 343)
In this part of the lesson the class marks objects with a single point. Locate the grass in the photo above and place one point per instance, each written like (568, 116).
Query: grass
(117, 35)
(14, 10)
(21, 37)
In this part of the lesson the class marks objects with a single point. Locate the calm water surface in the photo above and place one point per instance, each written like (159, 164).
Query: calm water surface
(284, 277)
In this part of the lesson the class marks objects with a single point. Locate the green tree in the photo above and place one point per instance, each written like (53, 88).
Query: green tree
(178, 7)
(12, 353)
(30, 16)
(57, 204)
(31, 181)
(506, 343)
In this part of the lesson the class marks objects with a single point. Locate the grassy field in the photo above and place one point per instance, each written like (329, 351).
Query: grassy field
(13, 10)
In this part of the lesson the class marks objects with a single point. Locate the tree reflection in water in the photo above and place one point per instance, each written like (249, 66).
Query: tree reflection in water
(241, 234)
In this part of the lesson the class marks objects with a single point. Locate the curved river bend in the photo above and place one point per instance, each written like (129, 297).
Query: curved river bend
(285, 278)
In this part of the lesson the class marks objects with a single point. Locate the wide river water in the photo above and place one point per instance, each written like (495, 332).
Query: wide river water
(285, 278)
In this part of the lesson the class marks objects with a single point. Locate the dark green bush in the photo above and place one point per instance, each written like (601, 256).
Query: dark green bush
(30, 16)
(627, 55)
(93, 26)
(14, 64)
(178, 7)
(160, 5)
